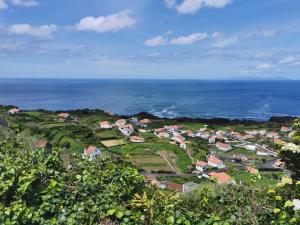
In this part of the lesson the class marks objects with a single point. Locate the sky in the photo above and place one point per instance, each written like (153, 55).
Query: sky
(150, 39)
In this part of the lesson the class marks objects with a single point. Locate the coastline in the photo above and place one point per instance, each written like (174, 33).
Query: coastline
(141, 115)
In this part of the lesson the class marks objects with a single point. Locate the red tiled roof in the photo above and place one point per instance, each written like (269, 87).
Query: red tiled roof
(174, 187)
(251, 170)
(201, 163)
(90, 150)
(214, 159)
(221, 177)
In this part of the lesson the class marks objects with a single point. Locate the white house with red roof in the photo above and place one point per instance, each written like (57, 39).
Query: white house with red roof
(251, 170)
(13, 111)
(285, 129)
(223, 147)
(214, 161)
(201, 166)
(105, 125)
(273, 135)
(126, 129)
(92, 152)
(120, 122)
(221, 178)
(144, 122)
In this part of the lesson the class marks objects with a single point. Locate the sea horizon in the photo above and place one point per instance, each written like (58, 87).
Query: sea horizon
(231, 99)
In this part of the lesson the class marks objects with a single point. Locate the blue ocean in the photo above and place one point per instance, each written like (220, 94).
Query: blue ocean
(258, 100)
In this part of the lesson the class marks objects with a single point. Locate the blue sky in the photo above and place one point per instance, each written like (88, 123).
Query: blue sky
(167, 39)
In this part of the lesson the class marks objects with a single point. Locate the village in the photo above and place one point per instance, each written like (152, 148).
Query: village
(176, 156)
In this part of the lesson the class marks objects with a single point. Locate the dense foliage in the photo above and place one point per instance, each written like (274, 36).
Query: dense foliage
(36, 188)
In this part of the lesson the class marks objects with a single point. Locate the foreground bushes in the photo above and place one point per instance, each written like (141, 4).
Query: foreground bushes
(36, 188)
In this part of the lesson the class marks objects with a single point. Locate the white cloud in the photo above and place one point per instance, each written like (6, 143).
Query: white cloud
(3, 5)
(287, 60)
(268, 33)
(170, 3)
(192, 6)
(110, 23)
(156, 41)
(43, 31)
(190, 39)
(216, 35)
(265, 66)
(225, 42)
(26, 3)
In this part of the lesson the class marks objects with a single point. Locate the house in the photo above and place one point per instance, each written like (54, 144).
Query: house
(279, 164)
(126, 129)
(247, 136)
(205, 135)
(256, 132)
(13, 111)
(212, 140)
(223, 147)
(189, 133)
(188, 187)
(63, 116)
(135, 121)
(262, 151)
(250, 147)
(273, 135)
(201, 166)
(221, 133)
(174, 187)
(221, 178)
(163, 135)
(120, 122)
(105, 125)
(285, 129)
(144, 122)
(172, 128)
(137, 139)
(213, 161)
(251, 170)
(92, 152)
(43, 144)
(182, 144)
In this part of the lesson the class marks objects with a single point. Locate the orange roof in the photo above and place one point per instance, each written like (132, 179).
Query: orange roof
(145, 121)
(221, 177)
(64, 115)
(90, 150)
(214, 159)
(174, 186)
(126, 126)
(279, 163)
(201, 163)
(251, 170)
(104, 122)
(223, 145)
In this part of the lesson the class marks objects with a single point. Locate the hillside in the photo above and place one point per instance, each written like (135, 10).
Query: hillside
(45, 179)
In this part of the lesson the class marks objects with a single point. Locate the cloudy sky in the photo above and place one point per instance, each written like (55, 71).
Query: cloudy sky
(192, 39)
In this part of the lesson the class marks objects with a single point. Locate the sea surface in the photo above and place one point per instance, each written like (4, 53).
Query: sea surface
(258, 100)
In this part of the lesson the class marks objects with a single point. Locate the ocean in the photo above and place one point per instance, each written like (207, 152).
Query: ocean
(257, 100)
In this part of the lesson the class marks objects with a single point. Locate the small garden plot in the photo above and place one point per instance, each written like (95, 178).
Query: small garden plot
(113, 143)
(150, 163)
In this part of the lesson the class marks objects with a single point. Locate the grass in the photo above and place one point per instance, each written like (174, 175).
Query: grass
(192, 125)
(109, 134)
(182, 162)
(75, 145)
